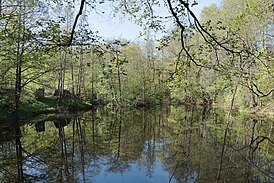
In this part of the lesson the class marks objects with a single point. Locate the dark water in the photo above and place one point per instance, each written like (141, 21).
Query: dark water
(159, 145)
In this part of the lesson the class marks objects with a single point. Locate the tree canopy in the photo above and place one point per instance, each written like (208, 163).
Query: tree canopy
(48, 44)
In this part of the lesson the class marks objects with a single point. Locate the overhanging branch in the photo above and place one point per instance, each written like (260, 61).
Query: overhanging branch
(186, 5)
(80, 12)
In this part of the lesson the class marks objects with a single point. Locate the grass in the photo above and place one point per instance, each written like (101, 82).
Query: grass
(46, 105)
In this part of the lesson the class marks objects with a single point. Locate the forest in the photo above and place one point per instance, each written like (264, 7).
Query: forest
(51, 59)
(190, 100)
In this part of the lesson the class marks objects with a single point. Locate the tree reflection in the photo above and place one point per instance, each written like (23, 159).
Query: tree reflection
(11, 168)
(186, 143)
(192, 155)
(63, 172)
(19, 155)
(114, 162)
(149, 135)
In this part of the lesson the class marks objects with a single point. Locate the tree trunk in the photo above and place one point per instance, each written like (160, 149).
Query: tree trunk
(119, 78)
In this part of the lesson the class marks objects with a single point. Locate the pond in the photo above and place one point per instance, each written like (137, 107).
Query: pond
(171, 144)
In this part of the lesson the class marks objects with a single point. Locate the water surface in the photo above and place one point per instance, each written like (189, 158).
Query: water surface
(172, 144)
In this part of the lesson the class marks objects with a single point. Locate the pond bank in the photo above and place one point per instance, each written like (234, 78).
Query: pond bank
(46, 105)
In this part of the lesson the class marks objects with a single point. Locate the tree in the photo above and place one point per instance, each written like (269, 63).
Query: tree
(225, 49)
(19, 50)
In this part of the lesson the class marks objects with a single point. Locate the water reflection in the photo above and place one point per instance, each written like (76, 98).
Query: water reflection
(160, 145)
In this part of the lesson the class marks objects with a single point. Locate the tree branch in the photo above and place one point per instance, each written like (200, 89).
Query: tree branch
(259, 141)
(186, 5)
(258, 92)
(80, 12)
(174, 14)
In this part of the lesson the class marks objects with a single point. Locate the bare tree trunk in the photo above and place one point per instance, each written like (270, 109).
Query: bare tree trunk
(119, 78)
(92, 78)
(61, 79)
(144, 86)
(18, 81)
(80, 81)
(59, 88)
(72, 77)
(19, 55)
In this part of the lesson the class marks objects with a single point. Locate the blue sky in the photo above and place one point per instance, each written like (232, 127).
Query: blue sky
(121, 27)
